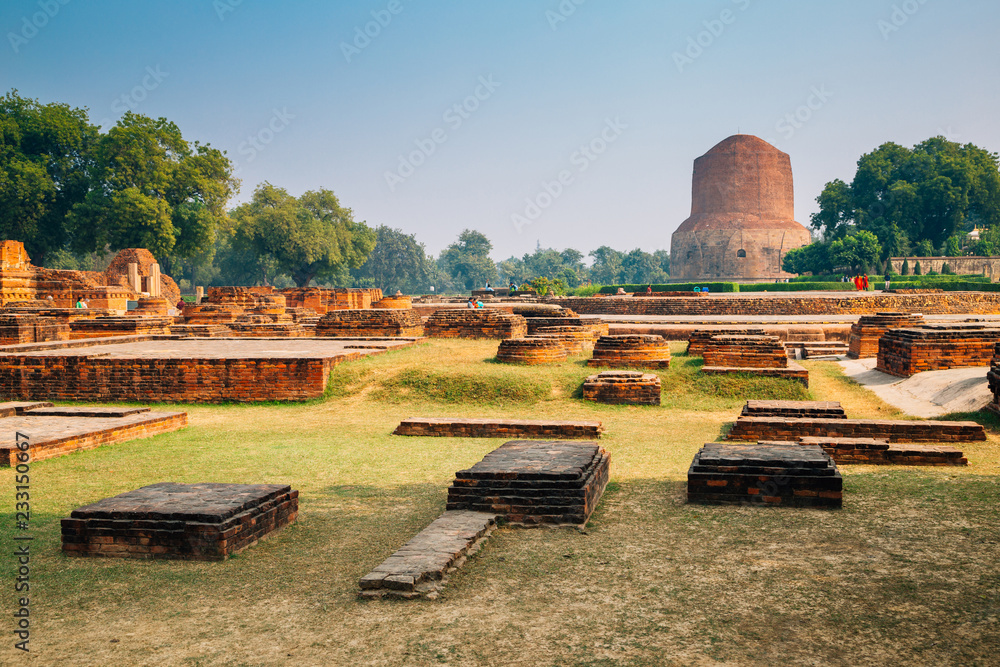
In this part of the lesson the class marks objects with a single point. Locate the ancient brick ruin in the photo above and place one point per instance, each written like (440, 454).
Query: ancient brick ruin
(500, 428)
(631, 351)
(532, 482)
(794, 409)
(791, 429)
(622, 387)
(700, 338)
(742, 215)
(865, 333)
(56, 431)
(370, 322)
(531, 351)
(180, 521)
(760, 355)
(764, 474)
(934, 347)
(29, 328)
(475, 323)
(576, 340)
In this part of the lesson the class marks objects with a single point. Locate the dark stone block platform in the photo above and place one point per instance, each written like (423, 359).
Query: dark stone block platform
(534, 482)
(180, 521)
(764, 474)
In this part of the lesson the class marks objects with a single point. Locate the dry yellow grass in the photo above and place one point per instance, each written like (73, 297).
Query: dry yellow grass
(905, 573)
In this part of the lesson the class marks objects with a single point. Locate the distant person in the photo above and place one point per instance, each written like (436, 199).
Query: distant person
(887, 279)
(479, 304)
(649, 289)
(471, 303)
(864, 282)
(488, 288)
(513, 286)
(80, 303)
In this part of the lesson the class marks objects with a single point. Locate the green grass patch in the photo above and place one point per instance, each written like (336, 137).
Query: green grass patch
(471, 386)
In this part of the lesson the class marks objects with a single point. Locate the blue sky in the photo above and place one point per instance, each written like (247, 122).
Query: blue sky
(570, 123)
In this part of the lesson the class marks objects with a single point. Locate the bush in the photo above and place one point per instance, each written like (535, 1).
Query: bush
(916, 269)
(672, 287)
(906, 267)
(946, 269)
(586, 290)
(797, 287)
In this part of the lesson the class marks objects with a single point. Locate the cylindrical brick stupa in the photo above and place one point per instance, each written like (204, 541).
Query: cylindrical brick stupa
(742, 215)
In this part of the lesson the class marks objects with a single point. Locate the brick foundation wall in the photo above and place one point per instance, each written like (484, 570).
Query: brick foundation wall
(631, 350)
(475, 323)
(745, 352)
(370, 322)
(862, 343)
(780, 428)
(623, 388)
(946, 303)
(905, 352)
(500, 428)
(104, 327)
(211, 380)
(16, 329)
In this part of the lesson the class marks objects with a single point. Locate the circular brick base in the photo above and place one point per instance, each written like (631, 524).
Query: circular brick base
(531, 351)
(631, 351)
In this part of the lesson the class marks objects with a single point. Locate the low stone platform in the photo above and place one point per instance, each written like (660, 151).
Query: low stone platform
(475, 323)
(764, 474)
(793, 371)
(179, 521)
(745, 352)
(267, 329)
(631, 351)
(623, 387)
(421, 566)
(576, 340)
(699, 339)
(370, 322)
(531, 482)
(933, 347)
(531, 351)
(200, 330)
(176, 369)
(784, 428)
(500, 428)
(862, 343)
(873, 451)
(795, 409)
(56, 431)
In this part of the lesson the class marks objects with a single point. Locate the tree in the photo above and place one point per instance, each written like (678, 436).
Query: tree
(813, 258)
(905, 270)
(467, 260)
(859, 251)
(927, 193)
(607, 266)
(397, 262)
(309, 237)
(45, 162)
(925, 248)
(641, 267)
(152, 189)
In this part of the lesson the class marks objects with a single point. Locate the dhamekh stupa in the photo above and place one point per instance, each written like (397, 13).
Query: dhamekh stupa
(742, 215)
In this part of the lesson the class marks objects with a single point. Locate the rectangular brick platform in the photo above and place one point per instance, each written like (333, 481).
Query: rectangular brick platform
(907, 351)
(765, 474)
(881, 452)
(104, 327)
(784, 428)
(533, 482)
(795, 409)
(862, 342)
(180, 521)
(176, 369)
(500, 428)
(700, 338)
(421, 566)
(57, 431)
(25, 328)
(475, 323)
(745, 352)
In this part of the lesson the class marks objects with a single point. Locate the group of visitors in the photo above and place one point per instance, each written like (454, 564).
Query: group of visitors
(861, 282)
(473, 302)
(83, 303)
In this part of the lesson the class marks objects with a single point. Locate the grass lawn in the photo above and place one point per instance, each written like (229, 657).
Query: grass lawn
(905, 574)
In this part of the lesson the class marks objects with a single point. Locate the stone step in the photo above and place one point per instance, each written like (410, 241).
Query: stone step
(421, 566)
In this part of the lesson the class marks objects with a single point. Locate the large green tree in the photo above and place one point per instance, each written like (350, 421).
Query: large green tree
(308, 237)
(46, 156)
(905, 196)
(152, 189)
(467, 260)
(398, 262)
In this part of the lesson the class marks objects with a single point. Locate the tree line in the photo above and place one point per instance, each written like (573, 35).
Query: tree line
(921, 201)
(74, 194)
